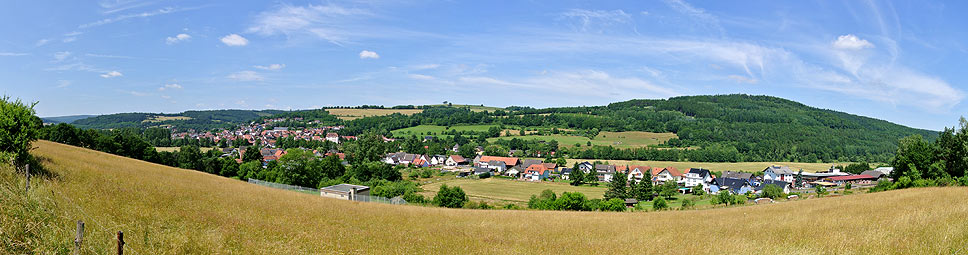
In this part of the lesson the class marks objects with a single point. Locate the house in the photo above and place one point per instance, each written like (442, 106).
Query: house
(886, 170)
(536, 172)
(514, 171)
(738, 175)
(876, 174)
(604, 172)
(638, 172)
(456, 148)
(662, 175)
(332, 137)
(782, 184)
(565, 173)
(497, 166)
(779, 173)
(481, 170)
(455, 160)
(437, 160)
(508, 161)
(344, 191)
(401, 158)
(733, 185)
(528, 162)
(271, 154)
(697, 177)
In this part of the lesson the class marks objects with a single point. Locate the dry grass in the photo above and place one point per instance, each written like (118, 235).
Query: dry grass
(175, 149)
(718, 166)
(166, 210)
(352, 114)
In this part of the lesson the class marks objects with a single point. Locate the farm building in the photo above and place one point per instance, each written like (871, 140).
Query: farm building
(344, 191)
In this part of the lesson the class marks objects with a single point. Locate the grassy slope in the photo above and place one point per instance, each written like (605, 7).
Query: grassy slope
(622, 140)
(169, 210)
(423, 129)
(352, 114)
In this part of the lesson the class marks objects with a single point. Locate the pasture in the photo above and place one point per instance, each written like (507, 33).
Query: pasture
(158, 118)
(352, 114)
(422, 130)
(165, 210)
(498, 189)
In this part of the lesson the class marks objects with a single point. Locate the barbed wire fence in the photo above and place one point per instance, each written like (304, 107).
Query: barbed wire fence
(357, 197)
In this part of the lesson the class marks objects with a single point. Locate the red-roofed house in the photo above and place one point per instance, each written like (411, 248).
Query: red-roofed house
(854, 179)
(536, 172)
(508, 161)
(455, 160)
(661, 175)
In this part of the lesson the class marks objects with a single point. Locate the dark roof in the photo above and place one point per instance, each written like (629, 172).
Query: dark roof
(528, 162)
(874, 173)
(566, 171)
(737, 175)
(701, 172)
(480, 170)
(774, 182)
(733, 184)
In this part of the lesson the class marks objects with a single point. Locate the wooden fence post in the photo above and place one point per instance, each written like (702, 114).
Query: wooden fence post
(27, 167)
(79, 238)
(120, 242)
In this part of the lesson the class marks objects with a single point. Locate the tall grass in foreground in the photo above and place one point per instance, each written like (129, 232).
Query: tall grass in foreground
(165, 210)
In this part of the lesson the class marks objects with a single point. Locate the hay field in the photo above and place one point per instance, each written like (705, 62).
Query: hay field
(165, 210)
(426, 129)
(497, 189)
(718, 166)
(352, 114)
(159, 118)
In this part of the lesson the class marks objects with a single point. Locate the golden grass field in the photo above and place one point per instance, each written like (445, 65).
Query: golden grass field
(718, 166)
(352, 114)
(165, 210)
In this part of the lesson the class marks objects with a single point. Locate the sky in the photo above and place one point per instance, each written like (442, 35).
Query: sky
(900, 61)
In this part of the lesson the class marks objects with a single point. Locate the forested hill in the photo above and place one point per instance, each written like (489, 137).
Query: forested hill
(200, 120)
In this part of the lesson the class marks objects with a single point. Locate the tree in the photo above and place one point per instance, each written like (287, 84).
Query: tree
(572, 201)
(577, 175)
(698, 190)
(18, 129)
(252, 153)
(644, 190)
(798, 180)
(332, 167)
(772, 191)
(300, 167)
(821, 191)
(669, 189)
(612, 205)
(659, 204)
(912, 153)
(450, 197)
(617, 187)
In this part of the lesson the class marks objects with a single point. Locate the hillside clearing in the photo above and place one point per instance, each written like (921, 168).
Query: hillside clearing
(438, 130)
(164, 210)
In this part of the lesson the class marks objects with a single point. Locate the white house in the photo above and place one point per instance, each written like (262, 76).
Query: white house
(455, 160)
(332, 137)
(696, 177)
(779, 173)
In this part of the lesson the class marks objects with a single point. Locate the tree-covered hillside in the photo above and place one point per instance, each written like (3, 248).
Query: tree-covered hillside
(199, 120)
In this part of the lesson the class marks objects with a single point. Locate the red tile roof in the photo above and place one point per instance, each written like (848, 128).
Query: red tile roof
(509, 162)
(852, 177)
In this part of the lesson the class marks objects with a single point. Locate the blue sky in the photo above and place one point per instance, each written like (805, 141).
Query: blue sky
(898, 61)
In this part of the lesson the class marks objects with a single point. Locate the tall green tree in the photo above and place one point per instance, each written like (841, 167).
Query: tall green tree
(913, 153)
(577, 175)
(450, 197)
(618, 187)
(18, 129)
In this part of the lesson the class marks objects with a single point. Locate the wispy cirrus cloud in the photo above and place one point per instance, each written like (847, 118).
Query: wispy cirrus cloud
(13, 54)
(162, 11)
(246, 76)
(272, 67)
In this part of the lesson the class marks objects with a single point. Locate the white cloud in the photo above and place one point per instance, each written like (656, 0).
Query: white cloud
(584, 83)
(169, 86)
(12, 54)
(421, 77)
(702, 18)
(136, 93)
(271, 67)
(597, 20)
(328, 22)
(69, 39)
(246, 76)
(365, 54)
(106, 21)
(63, 83)
(234, 40)
(851, 42)
(111, 74)
(41, 42)
(177, 38)
(60, 56)
(425, 67)
(742, 79)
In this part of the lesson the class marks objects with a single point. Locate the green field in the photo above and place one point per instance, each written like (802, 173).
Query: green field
(474, 108)
(719, 166)
(629, 139)
(432, 129)
(497, 189)
(352, 114)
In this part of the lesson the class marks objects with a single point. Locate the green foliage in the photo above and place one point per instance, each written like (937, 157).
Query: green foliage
(484, 175)
(18, 129)
(414, 198)
(644, 190)
(374, 170)
(393, 189)
(668, 189)
(688, 203)
(659, 204)
(612, 205)
(618, 187)
(572, 201)
(772, 191)
(577, 175)
(252, 153)
(821, 191)
(698, 190)
(198, 120)
(450, 197)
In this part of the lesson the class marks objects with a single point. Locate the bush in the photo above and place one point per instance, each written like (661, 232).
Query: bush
(426, 173)
(688, 203)
(414, 198)
(450, 197)
(821, 191)
(484, 175)
(772, 191)
(613, 205)
(739, 199)
(660, 204)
